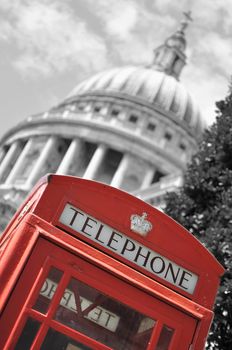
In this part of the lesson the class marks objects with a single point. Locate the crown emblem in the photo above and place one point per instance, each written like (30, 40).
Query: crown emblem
(140, 225)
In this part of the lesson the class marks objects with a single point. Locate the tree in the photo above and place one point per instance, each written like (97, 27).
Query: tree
(204, 206)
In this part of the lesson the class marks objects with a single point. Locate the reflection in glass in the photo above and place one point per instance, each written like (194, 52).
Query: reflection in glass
(28, 335)
(165, 338)
(58, 341)
(102, 318)
(48, 290)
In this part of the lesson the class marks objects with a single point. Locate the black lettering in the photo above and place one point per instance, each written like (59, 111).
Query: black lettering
(98, 234)
(113, 240)
(66, 298)
(171, 269)
(129, 245)
(109, 317)
(51, 291)
(153, 261)
(144, 256)
(96, 312)
(44, 287)
(182, 279)
(86, 224)
(74, 216)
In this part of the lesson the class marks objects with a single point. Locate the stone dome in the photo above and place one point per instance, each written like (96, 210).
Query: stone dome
(134, 127)
(150, 86)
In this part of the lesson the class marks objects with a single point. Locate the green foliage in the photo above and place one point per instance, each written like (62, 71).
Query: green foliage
(204, 206)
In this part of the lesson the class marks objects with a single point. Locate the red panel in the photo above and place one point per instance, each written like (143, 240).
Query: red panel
(24, 262)
(114, 208)
(46, 254)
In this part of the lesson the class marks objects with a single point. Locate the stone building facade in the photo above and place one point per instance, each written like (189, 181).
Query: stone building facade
(133, 127)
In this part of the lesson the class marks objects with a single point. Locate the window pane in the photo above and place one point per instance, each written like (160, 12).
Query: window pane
(133, 118)
(165, 338)
(102, 318)
(28, 335)
(151, 126)
(48, 290)
(58, 341)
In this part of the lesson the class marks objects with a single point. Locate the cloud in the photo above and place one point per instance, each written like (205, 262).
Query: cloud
(208, 72)
(215, 14)
(50, 38)
(119, 17)
(207, 87)
(216, 51)
(149, 24)
(209, 49)
(124, 18)
(132, 27)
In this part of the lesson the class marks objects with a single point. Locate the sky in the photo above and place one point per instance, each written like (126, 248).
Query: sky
(49, 46)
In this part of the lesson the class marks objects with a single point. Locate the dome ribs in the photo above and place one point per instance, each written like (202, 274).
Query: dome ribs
(121, 81)
(188, 116)
(135, 82)
(166, 93)
(153, 87)
(105, 80)
(181, 101)
(85, 85)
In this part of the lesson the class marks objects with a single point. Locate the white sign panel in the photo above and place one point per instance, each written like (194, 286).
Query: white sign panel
(98, 314)
(128, 248)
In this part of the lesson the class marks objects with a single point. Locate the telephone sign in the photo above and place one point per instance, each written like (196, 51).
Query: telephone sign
(128, 248)
(87, 266)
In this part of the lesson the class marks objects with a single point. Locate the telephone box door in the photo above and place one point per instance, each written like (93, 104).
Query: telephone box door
(63, 301)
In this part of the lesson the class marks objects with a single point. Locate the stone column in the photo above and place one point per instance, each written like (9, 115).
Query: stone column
(121, 171)
(19, 163)
(149, 174)
(74, 148)
(8, 158)
(46, 152)
(2, 154)
(95, 162)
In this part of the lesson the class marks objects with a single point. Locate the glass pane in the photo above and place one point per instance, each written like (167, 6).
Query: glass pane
(48, 290)
(58, 341)
(102, 318)
(165, 338)
(28, 335)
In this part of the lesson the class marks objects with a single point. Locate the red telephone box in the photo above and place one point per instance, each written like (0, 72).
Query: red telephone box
(87, 266)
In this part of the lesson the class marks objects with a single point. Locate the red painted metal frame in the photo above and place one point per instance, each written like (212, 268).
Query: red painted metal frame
(37, 219)
(36, 227)
(114, 208)
(129, 298)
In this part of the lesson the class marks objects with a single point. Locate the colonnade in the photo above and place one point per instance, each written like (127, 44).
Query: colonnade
(71, 155)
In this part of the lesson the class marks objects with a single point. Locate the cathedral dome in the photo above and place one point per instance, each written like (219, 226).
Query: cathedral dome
(156, 85)
(150, 86)
(133, 127)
